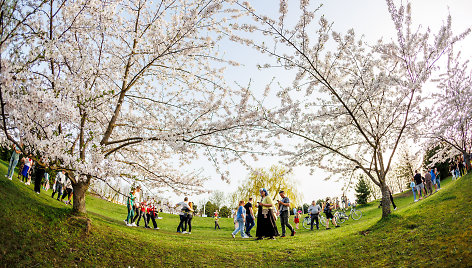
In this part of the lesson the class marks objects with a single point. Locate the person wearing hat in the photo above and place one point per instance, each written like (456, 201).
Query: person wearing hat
(266, 226)
(284, 205)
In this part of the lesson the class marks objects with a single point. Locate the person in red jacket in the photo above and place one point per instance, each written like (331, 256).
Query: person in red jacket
(151, 214)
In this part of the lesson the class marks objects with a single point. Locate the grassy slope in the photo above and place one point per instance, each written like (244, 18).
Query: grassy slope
(37, 230)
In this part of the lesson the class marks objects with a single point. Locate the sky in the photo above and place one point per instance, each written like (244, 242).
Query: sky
(367, 17)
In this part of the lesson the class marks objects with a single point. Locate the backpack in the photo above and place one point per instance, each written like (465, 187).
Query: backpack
(327, 209)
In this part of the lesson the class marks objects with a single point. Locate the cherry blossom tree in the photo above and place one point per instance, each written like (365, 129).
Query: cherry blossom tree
(128, 89)
(450, 119)
(349, 106)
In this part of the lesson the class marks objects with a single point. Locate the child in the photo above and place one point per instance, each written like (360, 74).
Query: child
(413, 185)
(296, 219)
(216, 221)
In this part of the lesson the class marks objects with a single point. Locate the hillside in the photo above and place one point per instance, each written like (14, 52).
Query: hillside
(37, 230)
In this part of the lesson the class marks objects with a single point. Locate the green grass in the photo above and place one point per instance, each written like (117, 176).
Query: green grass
(37, 230)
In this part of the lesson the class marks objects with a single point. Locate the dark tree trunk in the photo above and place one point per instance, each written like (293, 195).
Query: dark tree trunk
(467, 161)
(385, 201)
(80, 189)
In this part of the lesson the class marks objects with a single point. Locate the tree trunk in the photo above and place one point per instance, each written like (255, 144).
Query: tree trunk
(467, 161)
(80, 189)
(385, 201)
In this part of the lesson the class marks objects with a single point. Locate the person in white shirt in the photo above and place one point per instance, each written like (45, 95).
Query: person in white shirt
(60, 180)
(68, 191)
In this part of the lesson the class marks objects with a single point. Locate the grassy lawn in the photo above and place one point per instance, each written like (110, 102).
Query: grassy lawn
(37, 230)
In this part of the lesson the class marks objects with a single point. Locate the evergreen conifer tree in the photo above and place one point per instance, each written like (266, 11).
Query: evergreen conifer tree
(362, 191)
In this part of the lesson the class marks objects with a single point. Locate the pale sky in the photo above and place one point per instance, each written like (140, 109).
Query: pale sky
(369, 18)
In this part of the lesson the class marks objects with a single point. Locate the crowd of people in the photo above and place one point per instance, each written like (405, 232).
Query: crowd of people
(268, 211)
(139, 208)
(28, 171)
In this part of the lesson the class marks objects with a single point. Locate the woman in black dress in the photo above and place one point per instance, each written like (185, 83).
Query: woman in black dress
(266, 226)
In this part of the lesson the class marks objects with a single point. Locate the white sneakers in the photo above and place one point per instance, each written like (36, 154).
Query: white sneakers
(157, 228)
(10, 178)
(233, 235)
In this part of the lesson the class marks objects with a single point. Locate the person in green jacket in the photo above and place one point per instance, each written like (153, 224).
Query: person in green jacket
(130, 205)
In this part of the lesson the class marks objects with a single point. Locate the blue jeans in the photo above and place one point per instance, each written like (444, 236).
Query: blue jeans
(240, 227)
(11, 167)
(414, 193)
(438, 181)
(249, 224)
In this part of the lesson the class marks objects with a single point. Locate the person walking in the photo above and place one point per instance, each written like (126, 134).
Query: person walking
(433, 179)
(249, 217)
(38, 178)
(419, 184)
(60, 179)
(284, 206)
(327, 209)
(216, 221)
(137, 204)
(240, 218)
(46, 182)
(461, 167)
(130, 206)
(184, 210)
(152, 214)
(266, 226)
(412, 185)
(429, 183)
(391, 198)
(68, 191)
(438, 178)
(314, 212)
(15, 156)
(28, 163)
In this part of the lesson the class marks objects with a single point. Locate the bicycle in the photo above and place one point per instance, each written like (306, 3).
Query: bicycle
(307, 221)
(341, 216)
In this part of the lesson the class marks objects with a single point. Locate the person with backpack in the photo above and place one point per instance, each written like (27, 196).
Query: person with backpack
(327, 209)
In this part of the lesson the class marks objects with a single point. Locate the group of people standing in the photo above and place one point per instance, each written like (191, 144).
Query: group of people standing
(139, 208)
(457, 169)
(423, 185)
